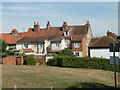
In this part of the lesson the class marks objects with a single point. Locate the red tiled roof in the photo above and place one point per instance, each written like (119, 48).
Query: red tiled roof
(102, 41)
(55, 34)
(10, 39)
(59, 38)
(28, 50)
(78, 37)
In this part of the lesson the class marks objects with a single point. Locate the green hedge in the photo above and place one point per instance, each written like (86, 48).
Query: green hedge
(30, 60)
(82, 62)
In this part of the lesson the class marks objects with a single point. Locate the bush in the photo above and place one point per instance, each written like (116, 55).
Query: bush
(30, 60)
(82, 62)
(10, 53)
(67, 52)
(4, 54)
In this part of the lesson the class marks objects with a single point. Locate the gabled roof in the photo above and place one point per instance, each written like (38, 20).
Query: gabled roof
(102, 41)
(54, 34)
(10, 39)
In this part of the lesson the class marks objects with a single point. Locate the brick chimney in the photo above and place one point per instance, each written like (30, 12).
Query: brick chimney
(88, 22)
(111, 34)
(36, 26)
(64, 25)
(14, 32)
(48, 25)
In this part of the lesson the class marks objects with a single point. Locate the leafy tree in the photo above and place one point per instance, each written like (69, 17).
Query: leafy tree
(3, 45)
(67, 52)
(21, 54)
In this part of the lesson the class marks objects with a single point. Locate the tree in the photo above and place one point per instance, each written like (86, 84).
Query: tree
(67, 52)
(3, 45)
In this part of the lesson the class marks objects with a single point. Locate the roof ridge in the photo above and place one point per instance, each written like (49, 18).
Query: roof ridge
(112, 38)
(96, 41)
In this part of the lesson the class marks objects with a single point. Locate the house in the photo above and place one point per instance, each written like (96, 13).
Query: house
(99, 47)
(12, 38)
(49, 40)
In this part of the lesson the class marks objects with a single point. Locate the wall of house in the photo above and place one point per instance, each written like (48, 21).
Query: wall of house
(47, 43)
(67, 40)
(62, 45)
(104, 53)
(74, 49)
(86, 41)
(19, 46)
(84, 48)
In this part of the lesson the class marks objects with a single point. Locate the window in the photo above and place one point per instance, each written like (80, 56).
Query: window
(66, 44)
(57, 44)
(40, 45)
(19, 36)
(77, 53)
(26, 45)
(66, 33)
(76, 45)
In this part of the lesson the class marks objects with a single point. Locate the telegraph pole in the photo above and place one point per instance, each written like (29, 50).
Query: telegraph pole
(114, 65)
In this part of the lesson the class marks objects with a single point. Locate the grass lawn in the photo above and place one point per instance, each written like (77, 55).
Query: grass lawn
(55, 77)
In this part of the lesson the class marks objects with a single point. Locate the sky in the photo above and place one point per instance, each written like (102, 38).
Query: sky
(103, 16)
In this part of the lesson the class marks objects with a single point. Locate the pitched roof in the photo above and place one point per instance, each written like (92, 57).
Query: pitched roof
(59, 38)
(102, 41)
(32, 39)
(55, 34)
(10, 39)
(78, 37)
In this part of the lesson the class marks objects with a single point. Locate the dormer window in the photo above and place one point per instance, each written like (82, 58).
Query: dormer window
(19, 36)
(66, 33)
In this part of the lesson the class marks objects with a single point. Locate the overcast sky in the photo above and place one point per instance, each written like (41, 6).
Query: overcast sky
(103, 16)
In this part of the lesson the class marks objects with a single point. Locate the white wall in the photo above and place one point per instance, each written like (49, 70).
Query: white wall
(104, 53)
(62, 45)
(19, 46)
(47, 43)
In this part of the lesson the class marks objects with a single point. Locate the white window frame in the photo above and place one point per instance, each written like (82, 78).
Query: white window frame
(40, 45)
(66, 33)
(57, 44)
(77, 45)
(66, 44)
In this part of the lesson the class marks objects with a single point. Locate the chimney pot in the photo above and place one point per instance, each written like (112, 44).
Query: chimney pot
(34, 23)
(88, 22)
(48, 25)
(36, 26)
(64, 23)
(14, 32)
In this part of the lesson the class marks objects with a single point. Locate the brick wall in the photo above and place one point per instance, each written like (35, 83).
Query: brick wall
(11, 60)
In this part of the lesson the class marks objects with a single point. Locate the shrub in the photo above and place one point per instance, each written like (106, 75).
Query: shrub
(10, 53)
(67, 52)
(30, 60)
(4, 54)
(82, 62)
